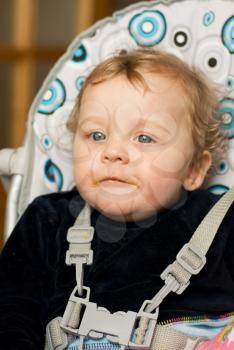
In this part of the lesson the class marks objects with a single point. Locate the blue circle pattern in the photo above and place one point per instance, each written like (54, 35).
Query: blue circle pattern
(230, 83)
(218, 189)
(57, 98)
(227, 107)
(228, 34)
(150, 38)
(80, 54)
(150, 33)
(222, 167)
(46, 141)
(53, 174)
(80, 82)
(208, 18)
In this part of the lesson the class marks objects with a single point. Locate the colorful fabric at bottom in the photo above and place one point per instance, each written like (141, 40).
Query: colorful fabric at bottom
(205, 327)
(223, 341)
(220, 332)
(91, 344)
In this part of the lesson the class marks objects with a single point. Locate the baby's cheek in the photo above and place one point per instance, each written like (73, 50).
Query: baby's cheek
(81, 167)
(81, 153)
(163, 192)
(170, 161)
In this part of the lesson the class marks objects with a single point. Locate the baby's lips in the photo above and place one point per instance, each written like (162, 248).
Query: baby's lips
(117, 179)
(114, 178)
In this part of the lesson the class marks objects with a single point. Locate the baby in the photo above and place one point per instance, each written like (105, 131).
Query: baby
(144, 131)
(146, 135)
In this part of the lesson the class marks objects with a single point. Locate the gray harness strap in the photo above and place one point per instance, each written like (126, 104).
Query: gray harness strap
(192, 257)
(119, 327)
(80, 237)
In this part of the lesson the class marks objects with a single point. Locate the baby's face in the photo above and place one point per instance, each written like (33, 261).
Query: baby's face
(132, 147)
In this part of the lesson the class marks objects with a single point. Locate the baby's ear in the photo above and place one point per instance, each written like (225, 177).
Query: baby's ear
(197, 172)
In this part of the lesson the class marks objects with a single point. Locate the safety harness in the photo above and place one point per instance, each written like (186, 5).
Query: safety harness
(135, 330)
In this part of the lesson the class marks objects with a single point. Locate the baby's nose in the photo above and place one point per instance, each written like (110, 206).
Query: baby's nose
(115, 150)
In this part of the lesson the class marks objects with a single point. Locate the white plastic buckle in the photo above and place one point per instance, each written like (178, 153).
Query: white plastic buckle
(171, 284)
(118, 327)
(183, 258)
(81, 234)
(70, 307)
(152, 317)
(79, 249)
(80, 252)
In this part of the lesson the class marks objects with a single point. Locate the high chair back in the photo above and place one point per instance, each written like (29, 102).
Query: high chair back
(200, 32)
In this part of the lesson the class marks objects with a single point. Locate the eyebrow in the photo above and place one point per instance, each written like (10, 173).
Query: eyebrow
(155, 123)
(91, 118)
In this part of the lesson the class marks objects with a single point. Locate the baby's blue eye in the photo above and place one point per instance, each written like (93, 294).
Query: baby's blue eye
(97, 135)
(144, 138)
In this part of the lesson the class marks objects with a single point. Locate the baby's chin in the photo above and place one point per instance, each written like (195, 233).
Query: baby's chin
(113, 211)
(124, 212)
(123, 208)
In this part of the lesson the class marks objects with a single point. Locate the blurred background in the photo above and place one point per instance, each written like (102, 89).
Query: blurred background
(33, 35)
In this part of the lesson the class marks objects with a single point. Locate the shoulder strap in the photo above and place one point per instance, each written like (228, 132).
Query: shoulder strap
(192, 257)
(189, 260)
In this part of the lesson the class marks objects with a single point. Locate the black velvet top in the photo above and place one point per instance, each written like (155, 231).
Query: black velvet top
(35, 282)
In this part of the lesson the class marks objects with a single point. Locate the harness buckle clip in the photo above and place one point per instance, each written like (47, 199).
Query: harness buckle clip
(171, 284)
(97, 322)
(184, 258)
(71, 317)
(80, 239)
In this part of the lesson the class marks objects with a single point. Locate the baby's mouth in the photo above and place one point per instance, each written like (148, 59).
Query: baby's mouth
(112, 180)
(116, 185)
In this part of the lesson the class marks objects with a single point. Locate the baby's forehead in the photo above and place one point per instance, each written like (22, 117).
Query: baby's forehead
(157, 93)
(153, 86)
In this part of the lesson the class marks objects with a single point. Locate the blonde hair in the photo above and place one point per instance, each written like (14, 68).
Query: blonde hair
(201, 96)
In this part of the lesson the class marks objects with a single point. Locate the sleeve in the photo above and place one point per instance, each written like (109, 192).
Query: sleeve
(25, 280)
